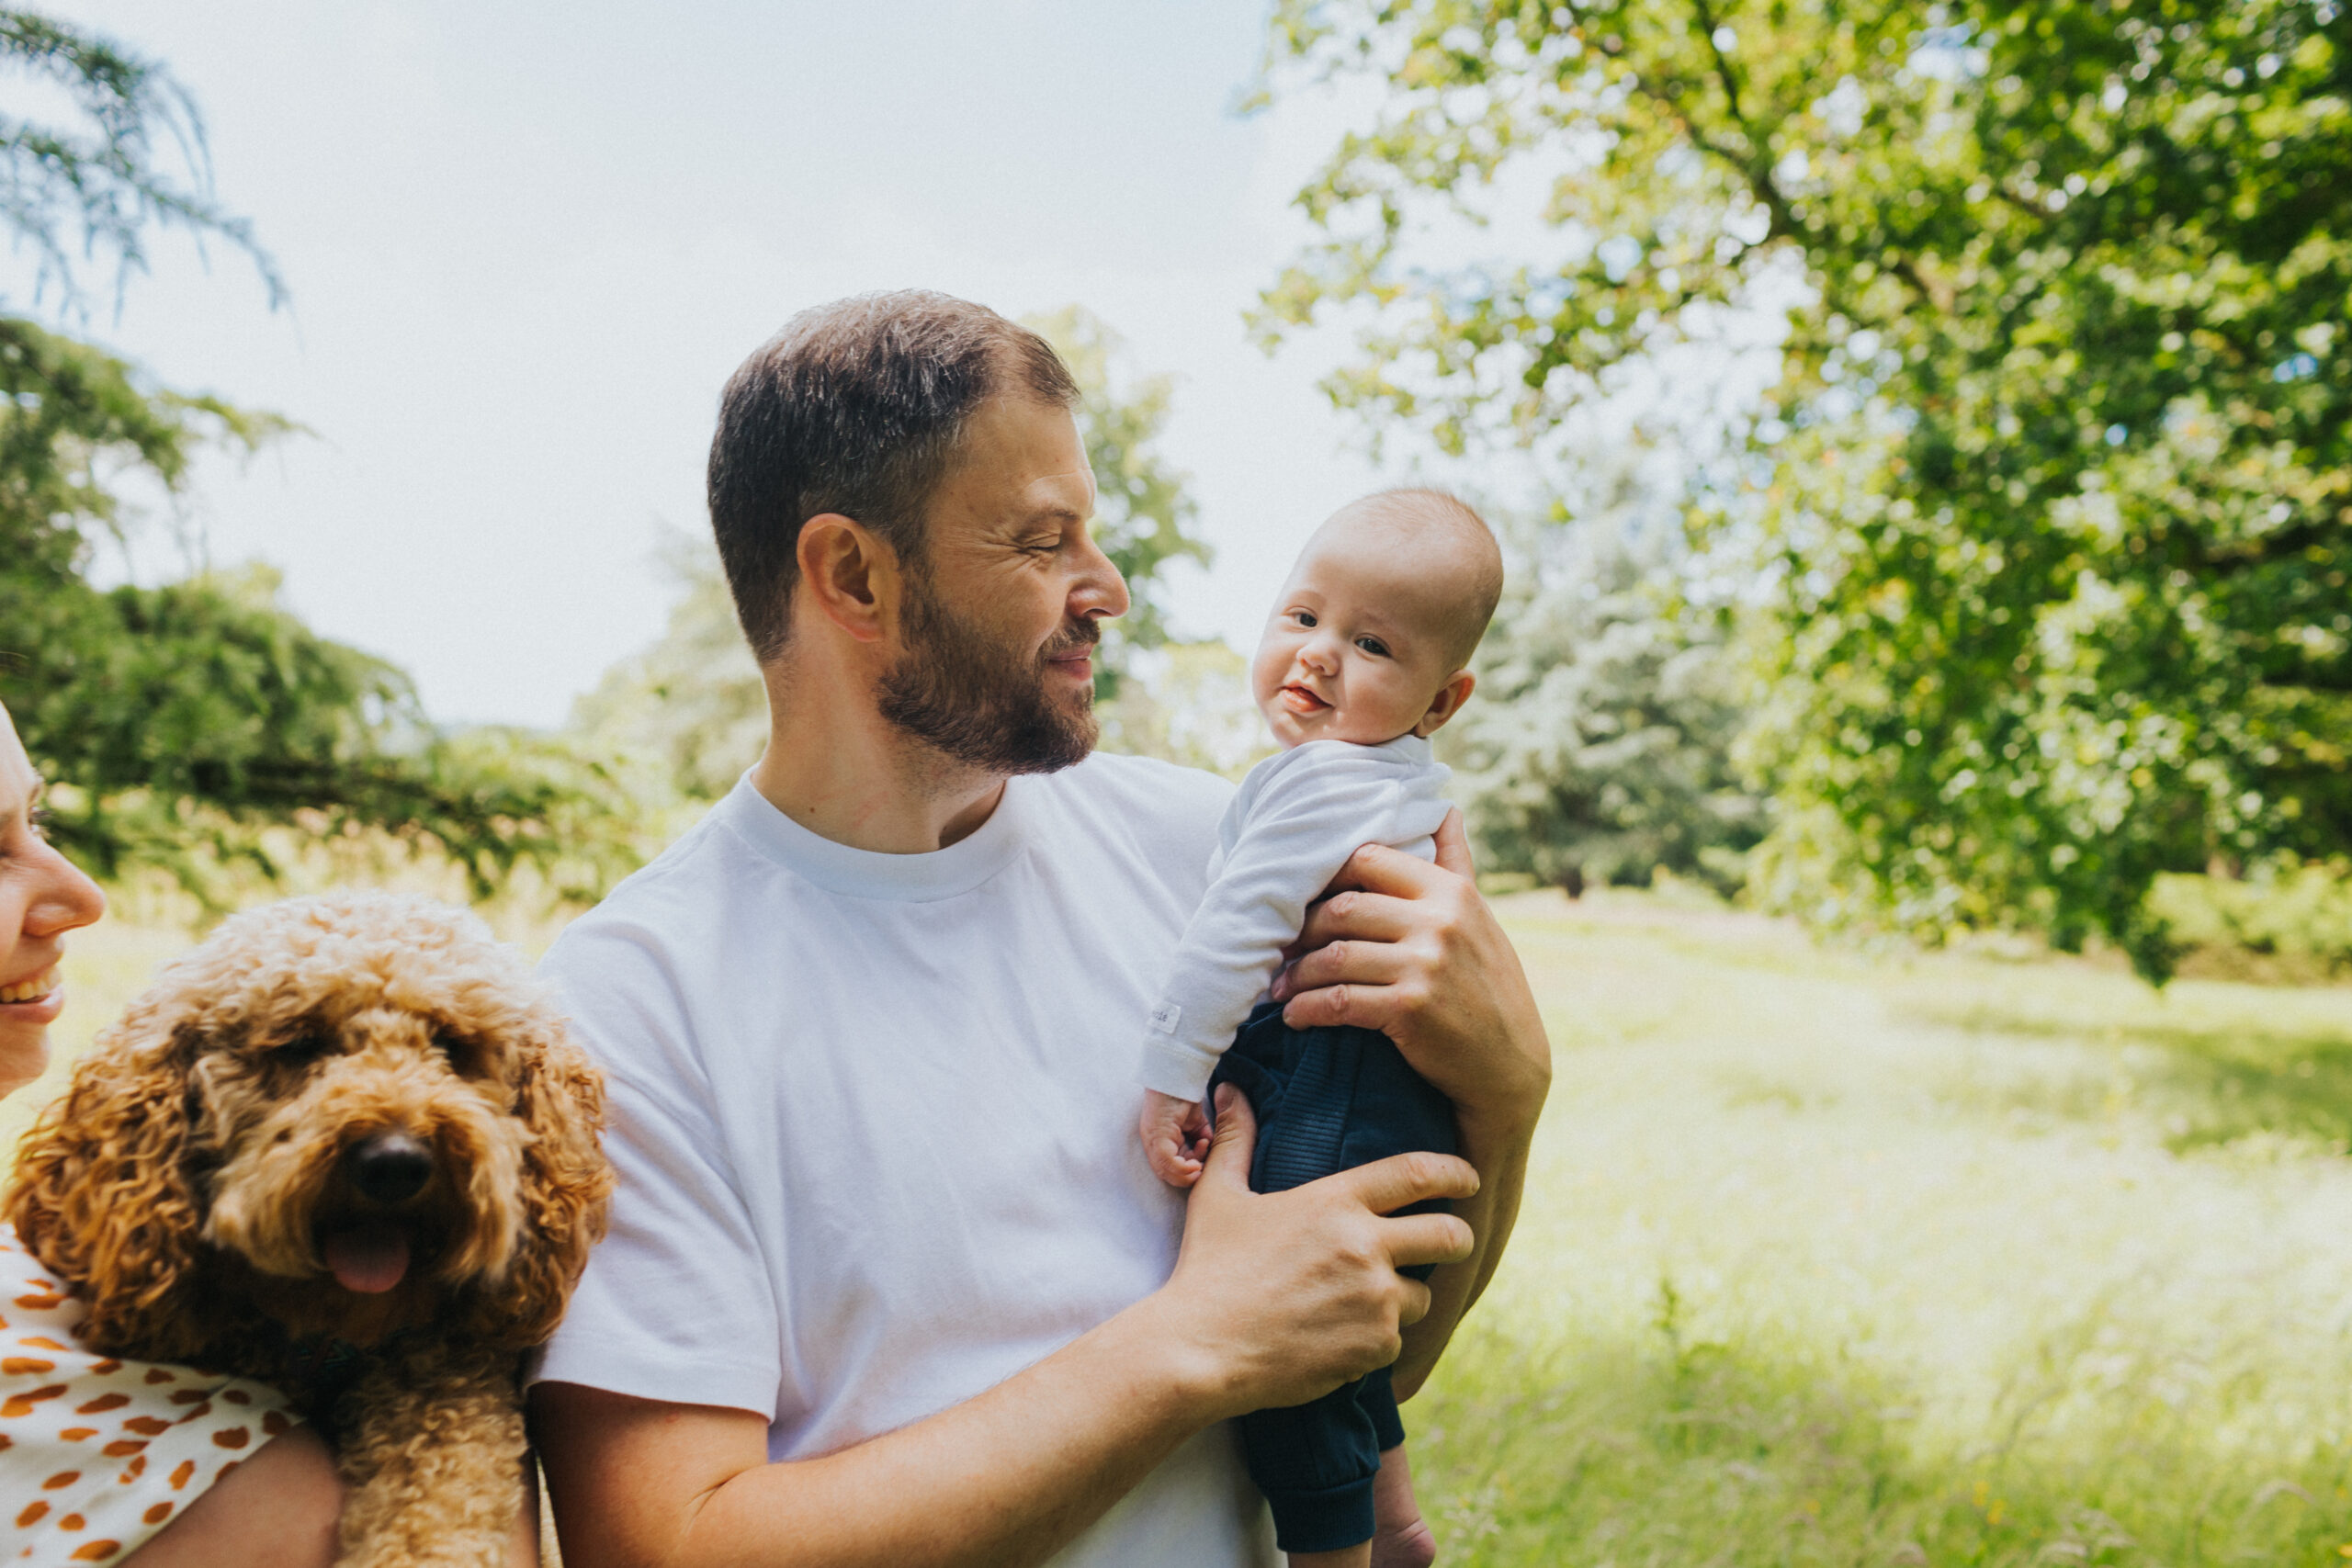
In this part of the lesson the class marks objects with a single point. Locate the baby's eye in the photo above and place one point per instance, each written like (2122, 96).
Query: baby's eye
(1373, 645)
(1304, 618)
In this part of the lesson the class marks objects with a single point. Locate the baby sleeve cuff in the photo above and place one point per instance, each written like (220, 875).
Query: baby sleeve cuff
(1175, 1068)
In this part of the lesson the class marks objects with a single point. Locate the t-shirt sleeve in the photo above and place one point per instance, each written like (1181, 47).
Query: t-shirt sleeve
(1300, 824)
(675, 1304)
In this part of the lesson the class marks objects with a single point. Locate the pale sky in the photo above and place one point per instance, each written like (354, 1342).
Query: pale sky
(525, 243)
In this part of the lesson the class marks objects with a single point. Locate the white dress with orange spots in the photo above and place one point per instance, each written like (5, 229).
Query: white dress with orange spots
(97, 1454)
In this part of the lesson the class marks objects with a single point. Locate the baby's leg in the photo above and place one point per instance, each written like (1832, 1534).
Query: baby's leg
(1403, 1539)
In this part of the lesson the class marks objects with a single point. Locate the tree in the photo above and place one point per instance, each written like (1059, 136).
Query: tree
(99, 180)
(2053, 500)
(1600, 748)
(183, 718)
(694, 700)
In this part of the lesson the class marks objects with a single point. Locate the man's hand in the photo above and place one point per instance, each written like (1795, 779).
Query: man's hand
(1411, 948)
(1281, 1297)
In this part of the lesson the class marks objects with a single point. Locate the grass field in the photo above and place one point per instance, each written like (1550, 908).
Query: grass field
(1845, 1259)
(1929, 1260)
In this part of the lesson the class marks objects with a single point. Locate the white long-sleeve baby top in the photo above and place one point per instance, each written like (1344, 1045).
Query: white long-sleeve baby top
(1294, 822)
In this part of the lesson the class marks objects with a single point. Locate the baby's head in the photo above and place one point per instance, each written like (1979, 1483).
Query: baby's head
(1369, 639)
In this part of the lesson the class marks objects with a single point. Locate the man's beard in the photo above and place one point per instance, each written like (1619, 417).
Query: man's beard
(983, 703)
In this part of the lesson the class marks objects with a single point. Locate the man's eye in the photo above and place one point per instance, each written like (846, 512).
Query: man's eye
(39, 819)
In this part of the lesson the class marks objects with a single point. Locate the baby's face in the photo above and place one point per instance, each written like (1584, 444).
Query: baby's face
(1358, 646)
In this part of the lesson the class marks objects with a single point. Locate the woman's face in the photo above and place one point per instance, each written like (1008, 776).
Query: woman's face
(42, 896)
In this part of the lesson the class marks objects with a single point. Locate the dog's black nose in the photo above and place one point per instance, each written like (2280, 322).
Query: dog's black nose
(391, 1167)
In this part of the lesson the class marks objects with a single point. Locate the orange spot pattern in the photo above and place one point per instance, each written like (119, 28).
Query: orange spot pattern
(78, 1429)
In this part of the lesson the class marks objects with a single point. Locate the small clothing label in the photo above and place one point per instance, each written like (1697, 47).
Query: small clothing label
(1164, 1017)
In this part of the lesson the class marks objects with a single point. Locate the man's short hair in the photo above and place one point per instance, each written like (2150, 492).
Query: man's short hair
(858, 408)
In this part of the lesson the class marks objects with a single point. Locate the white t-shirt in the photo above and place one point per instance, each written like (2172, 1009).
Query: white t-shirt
(874, 1121)
(1295, 821)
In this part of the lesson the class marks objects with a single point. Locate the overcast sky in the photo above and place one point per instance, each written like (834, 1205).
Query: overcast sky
(527, 243)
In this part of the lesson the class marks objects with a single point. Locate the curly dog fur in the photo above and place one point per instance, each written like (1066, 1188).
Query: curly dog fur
(204, 1185)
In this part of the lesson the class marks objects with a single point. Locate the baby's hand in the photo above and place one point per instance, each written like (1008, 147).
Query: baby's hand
(1175, 1137)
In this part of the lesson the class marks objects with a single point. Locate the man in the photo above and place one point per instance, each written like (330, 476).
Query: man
(889, 1280)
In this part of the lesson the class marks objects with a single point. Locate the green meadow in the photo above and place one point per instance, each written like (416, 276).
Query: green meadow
(1847, 1257)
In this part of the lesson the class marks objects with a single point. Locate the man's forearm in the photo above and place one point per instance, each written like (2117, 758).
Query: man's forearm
(1500, 1156)
(1006, 1478)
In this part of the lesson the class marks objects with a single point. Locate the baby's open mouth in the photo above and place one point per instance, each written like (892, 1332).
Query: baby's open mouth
(369, 1257)
(1301, 700)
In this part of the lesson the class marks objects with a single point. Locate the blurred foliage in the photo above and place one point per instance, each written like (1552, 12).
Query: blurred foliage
(2282, 921)
(92, 186)
(178, 721)
(1188, 703)
(2051, 509)
(1599, 747)
(1143, 517)
(692, 703)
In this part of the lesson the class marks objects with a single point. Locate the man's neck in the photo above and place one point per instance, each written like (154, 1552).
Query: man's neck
(842, 771)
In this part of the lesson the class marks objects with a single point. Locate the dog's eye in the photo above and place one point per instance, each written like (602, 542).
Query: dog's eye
(300, 1051)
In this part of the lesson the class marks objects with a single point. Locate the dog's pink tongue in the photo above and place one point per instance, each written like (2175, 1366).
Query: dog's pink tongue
(369, 1259)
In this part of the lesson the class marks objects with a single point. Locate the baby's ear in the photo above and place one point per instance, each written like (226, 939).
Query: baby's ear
(1447, 703)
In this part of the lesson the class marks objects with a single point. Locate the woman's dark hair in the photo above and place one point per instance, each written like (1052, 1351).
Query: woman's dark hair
(857, 407)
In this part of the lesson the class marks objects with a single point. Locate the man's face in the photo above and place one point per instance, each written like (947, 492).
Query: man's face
(998, 620)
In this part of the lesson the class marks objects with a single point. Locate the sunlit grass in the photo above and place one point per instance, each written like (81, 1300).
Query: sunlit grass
(1941, 1260)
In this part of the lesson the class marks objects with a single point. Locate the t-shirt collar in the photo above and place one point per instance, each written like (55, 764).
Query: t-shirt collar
(868, 874)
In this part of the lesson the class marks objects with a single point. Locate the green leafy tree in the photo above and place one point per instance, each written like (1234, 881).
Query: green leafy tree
(178, 720)
(2053, 498)
(1599, 747)
(693, 701)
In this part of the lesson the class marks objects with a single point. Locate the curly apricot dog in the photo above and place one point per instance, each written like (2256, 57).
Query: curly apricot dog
(344, 1147)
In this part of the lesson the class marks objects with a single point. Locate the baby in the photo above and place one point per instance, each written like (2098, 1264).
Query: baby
(1363, 662)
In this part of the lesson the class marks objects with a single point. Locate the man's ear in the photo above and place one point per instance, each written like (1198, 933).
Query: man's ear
(848, 575)
(1447, 703)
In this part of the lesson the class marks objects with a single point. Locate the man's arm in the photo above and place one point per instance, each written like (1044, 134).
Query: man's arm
(1276, 1299)
(1412, 950)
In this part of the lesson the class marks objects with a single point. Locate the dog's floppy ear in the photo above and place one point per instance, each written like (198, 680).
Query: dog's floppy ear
(566, 1185)
(101, 1195)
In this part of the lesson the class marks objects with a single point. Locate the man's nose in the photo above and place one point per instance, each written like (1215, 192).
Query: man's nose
(1099, 593)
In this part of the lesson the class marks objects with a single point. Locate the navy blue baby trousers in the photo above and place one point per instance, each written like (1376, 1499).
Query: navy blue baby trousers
(1327, 1099)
